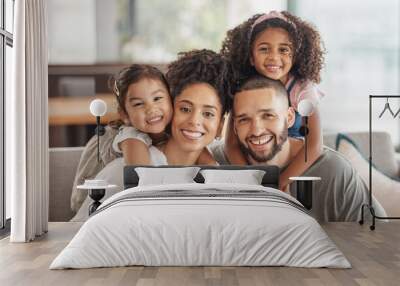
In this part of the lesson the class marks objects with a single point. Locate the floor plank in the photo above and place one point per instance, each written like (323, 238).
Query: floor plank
(374, 255)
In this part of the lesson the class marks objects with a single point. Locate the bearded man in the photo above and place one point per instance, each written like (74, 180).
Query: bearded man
(261, 116)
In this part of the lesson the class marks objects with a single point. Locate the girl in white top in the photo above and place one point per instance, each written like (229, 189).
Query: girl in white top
(145, 107)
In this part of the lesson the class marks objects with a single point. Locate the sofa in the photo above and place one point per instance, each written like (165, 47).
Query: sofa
(64, 161)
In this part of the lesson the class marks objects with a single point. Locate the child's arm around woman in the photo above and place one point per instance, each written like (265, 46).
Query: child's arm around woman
(134, 146)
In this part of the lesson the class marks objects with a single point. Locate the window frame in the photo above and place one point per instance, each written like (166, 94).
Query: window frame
(6, 39)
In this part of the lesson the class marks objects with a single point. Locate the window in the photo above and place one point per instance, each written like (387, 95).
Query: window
(363, 45)
(6, 43)
(146, 31)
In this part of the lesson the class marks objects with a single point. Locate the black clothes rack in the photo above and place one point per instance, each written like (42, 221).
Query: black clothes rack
(369, 204)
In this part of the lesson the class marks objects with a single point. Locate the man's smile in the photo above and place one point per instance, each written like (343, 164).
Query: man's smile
(260, 142)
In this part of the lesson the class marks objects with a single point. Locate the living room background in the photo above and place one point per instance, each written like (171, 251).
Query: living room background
(361, 40)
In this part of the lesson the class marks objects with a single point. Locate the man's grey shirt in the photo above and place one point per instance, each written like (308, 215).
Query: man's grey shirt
(340, 193)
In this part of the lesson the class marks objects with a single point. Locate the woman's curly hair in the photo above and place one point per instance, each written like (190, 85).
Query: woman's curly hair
(308, 49)
(200, 66)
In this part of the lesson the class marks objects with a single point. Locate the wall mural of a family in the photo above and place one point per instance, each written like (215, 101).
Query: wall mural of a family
(266, 66)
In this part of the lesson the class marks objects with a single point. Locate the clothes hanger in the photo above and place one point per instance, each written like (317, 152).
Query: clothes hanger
(397, 113)
(387, 107)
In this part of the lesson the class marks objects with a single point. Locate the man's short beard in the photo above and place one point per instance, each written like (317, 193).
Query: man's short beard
(276, 148)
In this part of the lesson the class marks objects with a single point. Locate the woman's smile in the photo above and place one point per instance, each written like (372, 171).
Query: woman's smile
(192, 135)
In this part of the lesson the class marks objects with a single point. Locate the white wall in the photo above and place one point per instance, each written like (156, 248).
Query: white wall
(107, 40)
(72, 31)
(239, 11)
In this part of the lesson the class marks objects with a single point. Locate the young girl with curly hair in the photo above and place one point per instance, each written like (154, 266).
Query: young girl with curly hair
(280, 46)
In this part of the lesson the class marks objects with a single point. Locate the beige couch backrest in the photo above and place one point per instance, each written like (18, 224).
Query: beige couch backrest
(63, 164)
(383, 152)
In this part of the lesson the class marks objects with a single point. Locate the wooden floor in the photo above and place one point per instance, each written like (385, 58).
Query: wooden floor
(374, 255)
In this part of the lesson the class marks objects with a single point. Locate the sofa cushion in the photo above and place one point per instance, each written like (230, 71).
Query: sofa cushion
(385, 189)
(62, 168)
(383, 152)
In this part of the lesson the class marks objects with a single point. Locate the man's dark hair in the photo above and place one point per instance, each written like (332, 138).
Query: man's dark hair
(260, 82)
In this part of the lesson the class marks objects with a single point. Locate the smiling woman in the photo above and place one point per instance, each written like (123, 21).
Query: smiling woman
(200, 93)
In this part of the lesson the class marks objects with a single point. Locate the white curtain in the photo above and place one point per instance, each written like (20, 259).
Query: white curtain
(27, 124)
